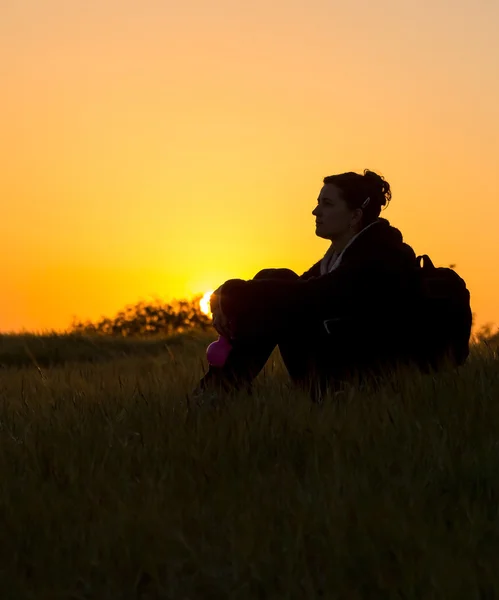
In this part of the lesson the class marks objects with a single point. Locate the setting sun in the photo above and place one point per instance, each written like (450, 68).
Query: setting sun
(204, 303)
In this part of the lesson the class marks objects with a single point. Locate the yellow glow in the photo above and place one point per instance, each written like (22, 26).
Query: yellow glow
(159, 152)
(204, 303)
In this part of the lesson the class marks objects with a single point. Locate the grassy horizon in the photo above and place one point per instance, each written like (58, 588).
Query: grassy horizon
(114, 486)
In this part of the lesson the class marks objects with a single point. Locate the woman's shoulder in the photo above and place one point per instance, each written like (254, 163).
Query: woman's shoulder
(380, 241)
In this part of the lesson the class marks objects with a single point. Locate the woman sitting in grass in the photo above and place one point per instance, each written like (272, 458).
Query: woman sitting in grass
(349, 315)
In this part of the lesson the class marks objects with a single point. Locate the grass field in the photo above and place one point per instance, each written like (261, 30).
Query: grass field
(112, 487)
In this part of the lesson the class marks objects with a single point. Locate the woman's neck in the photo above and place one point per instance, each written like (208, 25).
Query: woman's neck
(340, 243)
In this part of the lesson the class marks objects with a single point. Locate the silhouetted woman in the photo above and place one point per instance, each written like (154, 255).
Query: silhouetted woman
(347, 315)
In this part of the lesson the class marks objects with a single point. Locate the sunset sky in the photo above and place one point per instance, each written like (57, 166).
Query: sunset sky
(158, 148)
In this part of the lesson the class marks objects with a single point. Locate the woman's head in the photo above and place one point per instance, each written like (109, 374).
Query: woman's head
(349, 202)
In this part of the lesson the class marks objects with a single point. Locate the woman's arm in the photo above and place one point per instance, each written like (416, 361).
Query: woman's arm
(361, 289)
(265, 306)
(314, 271)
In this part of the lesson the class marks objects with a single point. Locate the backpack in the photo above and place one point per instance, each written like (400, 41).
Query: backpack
(445, 327)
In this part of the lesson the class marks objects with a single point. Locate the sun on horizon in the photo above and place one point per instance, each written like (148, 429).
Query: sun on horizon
(204, 303)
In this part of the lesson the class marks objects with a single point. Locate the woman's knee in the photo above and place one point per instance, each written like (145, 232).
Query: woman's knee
(276, 274)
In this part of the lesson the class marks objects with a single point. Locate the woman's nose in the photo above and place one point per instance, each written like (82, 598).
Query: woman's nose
(315, 212)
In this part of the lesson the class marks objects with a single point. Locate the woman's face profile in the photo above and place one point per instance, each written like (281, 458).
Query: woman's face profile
(333, 218)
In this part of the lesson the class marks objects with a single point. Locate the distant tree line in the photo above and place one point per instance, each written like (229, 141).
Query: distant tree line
(158, 318)
(149, 319)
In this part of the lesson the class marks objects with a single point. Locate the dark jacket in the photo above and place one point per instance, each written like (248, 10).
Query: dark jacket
(372, 289)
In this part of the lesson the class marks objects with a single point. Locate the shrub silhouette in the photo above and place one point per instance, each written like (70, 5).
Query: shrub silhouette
(488, 334)
(149, 319)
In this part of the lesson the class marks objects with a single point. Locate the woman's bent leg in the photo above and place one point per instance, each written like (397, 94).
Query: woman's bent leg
(245, 361)
(303, 354)
(247, 357)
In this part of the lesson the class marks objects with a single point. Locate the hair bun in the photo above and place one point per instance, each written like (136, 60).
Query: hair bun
(380, 188)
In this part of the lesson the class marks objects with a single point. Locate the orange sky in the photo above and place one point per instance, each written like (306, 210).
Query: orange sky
(156, 148)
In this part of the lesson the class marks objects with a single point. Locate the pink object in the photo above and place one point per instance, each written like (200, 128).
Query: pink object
(218, 351)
